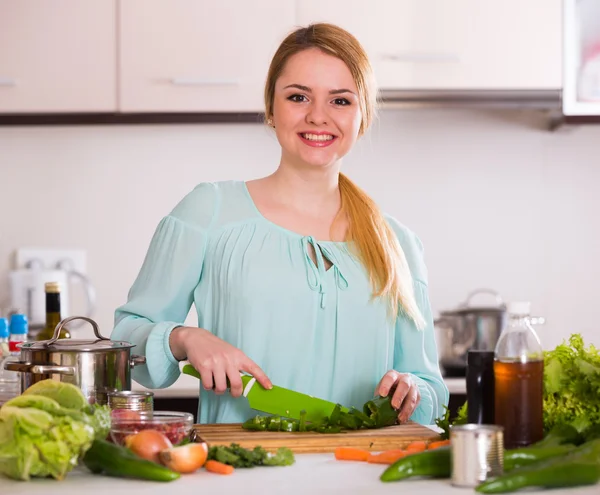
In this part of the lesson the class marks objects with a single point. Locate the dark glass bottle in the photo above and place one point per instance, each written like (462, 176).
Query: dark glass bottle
(53, 317)
(480, 387)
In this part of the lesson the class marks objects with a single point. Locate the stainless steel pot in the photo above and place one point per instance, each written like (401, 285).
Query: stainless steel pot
(470, 327)
(95, 366)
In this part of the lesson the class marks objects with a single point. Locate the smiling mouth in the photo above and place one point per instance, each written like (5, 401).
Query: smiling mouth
(317, 137)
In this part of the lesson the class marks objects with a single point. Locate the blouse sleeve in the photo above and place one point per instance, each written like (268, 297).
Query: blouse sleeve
(415, 350)
(162, 293)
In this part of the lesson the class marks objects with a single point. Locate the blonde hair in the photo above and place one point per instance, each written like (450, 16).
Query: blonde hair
(370, 235)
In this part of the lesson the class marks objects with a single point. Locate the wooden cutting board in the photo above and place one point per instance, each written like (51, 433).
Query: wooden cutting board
(392, 437)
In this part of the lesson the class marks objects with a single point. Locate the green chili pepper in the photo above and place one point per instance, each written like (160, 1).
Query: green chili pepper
(274, 423)
(517, 458)
(257, 423)
(302, 424)
(431, 463)
(114, 460)
(579, 467)
(381, 412)
(336, 415)
(289, 425)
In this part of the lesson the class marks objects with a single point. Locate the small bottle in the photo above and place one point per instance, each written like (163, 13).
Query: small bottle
(18, 332)
(480, 387)
(519, 380)
(4, 333)
(53, 316)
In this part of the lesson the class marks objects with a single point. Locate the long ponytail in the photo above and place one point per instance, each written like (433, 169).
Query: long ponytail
(377, 247)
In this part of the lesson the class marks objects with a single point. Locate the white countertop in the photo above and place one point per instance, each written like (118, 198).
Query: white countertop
(188, 387)
(312, 473)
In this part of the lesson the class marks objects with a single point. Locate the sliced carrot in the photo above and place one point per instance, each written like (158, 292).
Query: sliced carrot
(351, 454)
(416, 447)
(218, 467)
(437, 445)
(387, 457)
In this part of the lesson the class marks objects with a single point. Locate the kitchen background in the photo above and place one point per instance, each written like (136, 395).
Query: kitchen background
(499, 199)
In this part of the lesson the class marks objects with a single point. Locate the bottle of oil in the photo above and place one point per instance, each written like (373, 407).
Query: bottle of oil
(519, 380)
(53, 317)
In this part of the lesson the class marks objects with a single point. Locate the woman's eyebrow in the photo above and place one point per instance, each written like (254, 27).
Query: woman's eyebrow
(308, 90)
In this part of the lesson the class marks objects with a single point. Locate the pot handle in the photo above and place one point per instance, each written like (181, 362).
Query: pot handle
(137, 360)
(72, 318)
(492, 292)
(38, 369)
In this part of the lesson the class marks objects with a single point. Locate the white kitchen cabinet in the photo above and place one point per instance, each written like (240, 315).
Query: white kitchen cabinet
(198, 56)
(455, 45)
(581, 42)
(57, 56)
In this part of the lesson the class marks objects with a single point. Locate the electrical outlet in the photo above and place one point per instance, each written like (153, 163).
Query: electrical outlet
(49, 258)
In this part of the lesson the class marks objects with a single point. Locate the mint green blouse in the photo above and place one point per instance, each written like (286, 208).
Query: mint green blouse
(254, 285)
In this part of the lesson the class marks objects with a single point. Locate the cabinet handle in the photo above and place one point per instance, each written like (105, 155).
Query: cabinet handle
(185, 81)
(7, 81)
(421, 57)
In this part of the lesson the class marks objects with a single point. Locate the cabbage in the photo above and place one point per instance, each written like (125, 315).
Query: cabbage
(39, 437)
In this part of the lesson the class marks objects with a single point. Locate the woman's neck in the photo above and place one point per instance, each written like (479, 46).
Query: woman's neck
(307, 189)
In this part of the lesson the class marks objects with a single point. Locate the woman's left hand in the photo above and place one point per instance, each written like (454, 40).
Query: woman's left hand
(406, 395)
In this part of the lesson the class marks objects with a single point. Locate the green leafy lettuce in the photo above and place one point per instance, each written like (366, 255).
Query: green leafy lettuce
(572, 385)
(39, 437)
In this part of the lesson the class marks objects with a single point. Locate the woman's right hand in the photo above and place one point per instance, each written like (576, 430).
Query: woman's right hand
(216, 360)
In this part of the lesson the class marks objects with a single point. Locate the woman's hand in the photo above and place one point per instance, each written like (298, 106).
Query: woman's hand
(406, 396)
(215, 360)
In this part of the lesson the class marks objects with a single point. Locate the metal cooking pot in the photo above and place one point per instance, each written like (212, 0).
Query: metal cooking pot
(95, 366)
(470, 327)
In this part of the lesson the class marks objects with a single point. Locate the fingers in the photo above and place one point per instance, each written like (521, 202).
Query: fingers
(236, 387)
(402, 388)
(206, 377)
(410, 403)
(251, 367)
(387, 383)
(220, 379)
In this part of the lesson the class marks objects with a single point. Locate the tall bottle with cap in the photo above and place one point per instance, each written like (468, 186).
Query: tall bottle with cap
(19, 329)
(4, 333)
(53, 313)
(519, 379)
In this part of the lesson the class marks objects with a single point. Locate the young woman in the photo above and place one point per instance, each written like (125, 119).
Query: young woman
(297, 277)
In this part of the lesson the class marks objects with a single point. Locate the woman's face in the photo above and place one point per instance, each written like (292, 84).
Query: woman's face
(316, 112)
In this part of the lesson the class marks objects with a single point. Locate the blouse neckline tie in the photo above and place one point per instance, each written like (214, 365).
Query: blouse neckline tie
(317, 273)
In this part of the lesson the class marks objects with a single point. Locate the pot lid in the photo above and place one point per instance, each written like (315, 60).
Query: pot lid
(77, 345)
(100, 343)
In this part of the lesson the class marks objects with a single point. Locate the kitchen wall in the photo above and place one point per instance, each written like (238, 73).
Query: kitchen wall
(497, 200)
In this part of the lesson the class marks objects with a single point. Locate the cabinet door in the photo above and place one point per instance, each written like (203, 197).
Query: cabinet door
(198, 56)
(57, 56)
(458, 44)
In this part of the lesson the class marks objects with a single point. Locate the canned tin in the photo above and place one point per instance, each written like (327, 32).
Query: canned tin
(131, 400)
(477, 453)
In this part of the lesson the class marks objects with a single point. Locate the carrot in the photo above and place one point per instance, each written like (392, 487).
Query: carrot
(416, 447)
(437, 445)
(351, 454)
(387, 457)
(218, 467)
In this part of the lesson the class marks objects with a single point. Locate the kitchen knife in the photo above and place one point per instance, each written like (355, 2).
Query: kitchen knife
(279, 401)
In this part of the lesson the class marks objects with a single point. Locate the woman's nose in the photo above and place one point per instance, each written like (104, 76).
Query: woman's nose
(317, 114)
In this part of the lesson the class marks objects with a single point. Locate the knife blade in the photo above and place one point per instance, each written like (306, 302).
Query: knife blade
(278, 400)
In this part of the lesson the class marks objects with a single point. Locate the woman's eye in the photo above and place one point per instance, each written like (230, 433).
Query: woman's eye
(297, 98)
(341, 101)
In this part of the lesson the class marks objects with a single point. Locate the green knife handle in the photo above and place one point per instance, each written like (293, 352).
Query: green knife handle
(188, 369)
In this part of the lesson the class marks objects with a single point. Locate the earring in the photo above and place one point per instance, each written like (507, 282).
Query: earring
(270, 123)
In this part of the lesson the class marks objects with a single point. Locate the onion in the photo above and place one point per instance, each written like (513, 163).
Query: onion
(147, 444)
(185, 458)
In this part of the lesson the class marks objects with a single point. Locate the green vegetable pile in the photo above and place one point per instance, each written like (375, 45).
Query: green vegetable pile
(239, 457)
(571, 389)
(376, 413)
(572, 385)
(46, 430)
